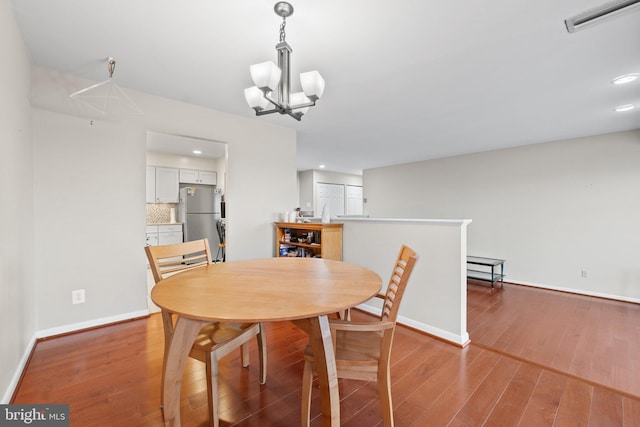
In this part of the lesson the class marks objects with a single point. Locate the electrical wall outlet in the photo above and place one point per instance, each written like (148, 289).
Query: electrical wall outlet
(584, 274)
(77, 296)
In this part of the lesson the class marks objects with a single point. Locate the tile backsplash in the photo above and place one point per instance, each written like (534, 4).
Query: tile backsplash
(160, 213)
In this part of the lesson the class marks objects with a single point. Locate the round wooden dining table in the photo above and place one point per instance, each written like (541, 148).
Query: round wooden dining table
(303, 290)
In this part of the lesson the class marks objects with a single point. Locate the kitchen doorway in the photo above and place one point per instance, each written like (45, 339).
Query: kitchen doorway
(173, 163)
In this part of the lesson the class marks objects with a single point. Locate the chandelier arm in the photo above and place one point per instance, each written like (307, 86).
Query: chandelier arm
(278, 108)
(281, 108)
(265, 96)
(272, 101)
(265, 112)
(307, 104)
(297, 116)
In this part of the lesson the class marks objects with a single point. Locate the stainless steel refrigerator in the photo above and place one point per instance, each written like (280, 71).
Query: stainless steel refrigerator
(199, 210)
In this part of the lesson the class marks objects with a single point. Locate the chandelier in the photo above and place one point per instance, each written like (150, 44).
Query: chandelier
(107, 98)
(272, 90)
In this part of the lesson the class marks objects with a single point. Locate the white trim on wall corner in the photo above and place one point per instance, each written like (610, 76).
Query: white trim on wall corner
(18, 372)
(6, 397)
(90, 324)
(575, 291)
(459, 340)
(453, 222)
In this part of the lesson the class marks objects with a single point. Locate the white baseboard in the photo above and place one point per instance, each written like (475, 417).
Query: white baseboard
(459, 340)
(576, 291)
(6, 398)
(463, 340)
(90, 324)
(57, 331)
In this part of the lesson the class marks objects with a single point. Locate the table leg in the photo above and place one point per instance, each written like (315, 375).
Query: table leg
(493, 276)
(185, 332)
(325, 361)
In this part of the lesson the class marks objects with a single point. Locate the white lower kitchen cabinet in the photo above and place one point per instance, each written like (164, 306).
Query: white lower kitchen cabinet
(164, 234)
(170, 238)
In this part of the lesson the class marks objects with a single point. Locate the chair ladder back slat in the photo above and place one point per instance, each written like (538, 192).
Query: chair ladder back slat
(171, 259)
(398, 283)
(179, 267)
(186, 259)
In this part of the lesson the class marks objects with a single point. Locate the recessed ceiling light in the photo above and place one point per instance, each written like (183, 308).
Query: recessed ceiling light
(197, 152)
(321, 166)
(625, 107)
(625, 78)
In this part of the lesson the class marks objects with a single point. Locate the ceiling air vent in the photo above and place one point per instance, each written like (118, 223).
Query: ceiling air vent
(599, 14)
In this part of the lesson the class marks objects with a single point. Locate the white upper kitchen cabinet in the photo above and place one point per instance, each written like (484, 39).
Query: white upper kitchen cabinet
(191, 176)
(165, 185)
(208, 177)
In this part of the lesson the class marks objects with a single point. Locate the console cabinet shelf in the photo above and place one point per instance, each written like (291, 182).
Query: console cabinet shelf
(309, 240)
(490, 274)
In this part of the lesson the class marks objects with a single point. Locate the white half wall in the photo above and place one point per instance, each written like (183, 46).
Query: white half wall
(436, 297)
(552, 210)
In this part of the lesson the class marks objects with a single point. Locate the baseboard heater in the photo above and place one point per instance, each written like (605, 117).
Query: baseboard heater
(599, 14)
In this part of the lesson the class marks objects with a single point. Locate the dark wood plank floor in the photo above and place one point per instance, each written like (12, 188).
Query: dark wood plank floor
(537, 358)
(591, 338)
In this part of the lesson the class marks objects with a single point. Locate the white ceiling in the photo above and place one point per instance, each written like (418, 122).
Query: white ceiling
(184, 146)
(406, 80)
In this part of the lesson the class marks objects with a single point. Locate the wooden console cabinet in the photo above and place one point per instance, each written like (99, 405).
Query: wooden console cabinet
(309, 240)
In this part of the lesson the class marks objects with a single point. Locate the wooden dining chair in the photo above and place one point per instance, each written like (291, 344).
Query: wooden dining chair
(215, 339)
(363, 349)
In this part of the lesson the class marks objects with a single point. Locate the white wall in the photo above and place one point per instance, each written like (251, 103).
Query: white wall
(551, 210)
(88, 218)
(308, 180)
(305, 191)
(17, 283)
(90, 196)
(221, 173)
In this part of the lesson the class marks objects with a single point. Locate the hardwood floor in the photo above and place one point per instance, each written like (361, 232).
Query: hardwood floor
(537, 358)
(594, 339)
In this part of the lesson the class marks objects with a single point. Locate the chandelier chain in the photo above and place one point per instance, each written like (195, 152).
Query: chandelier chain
(282, 33)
